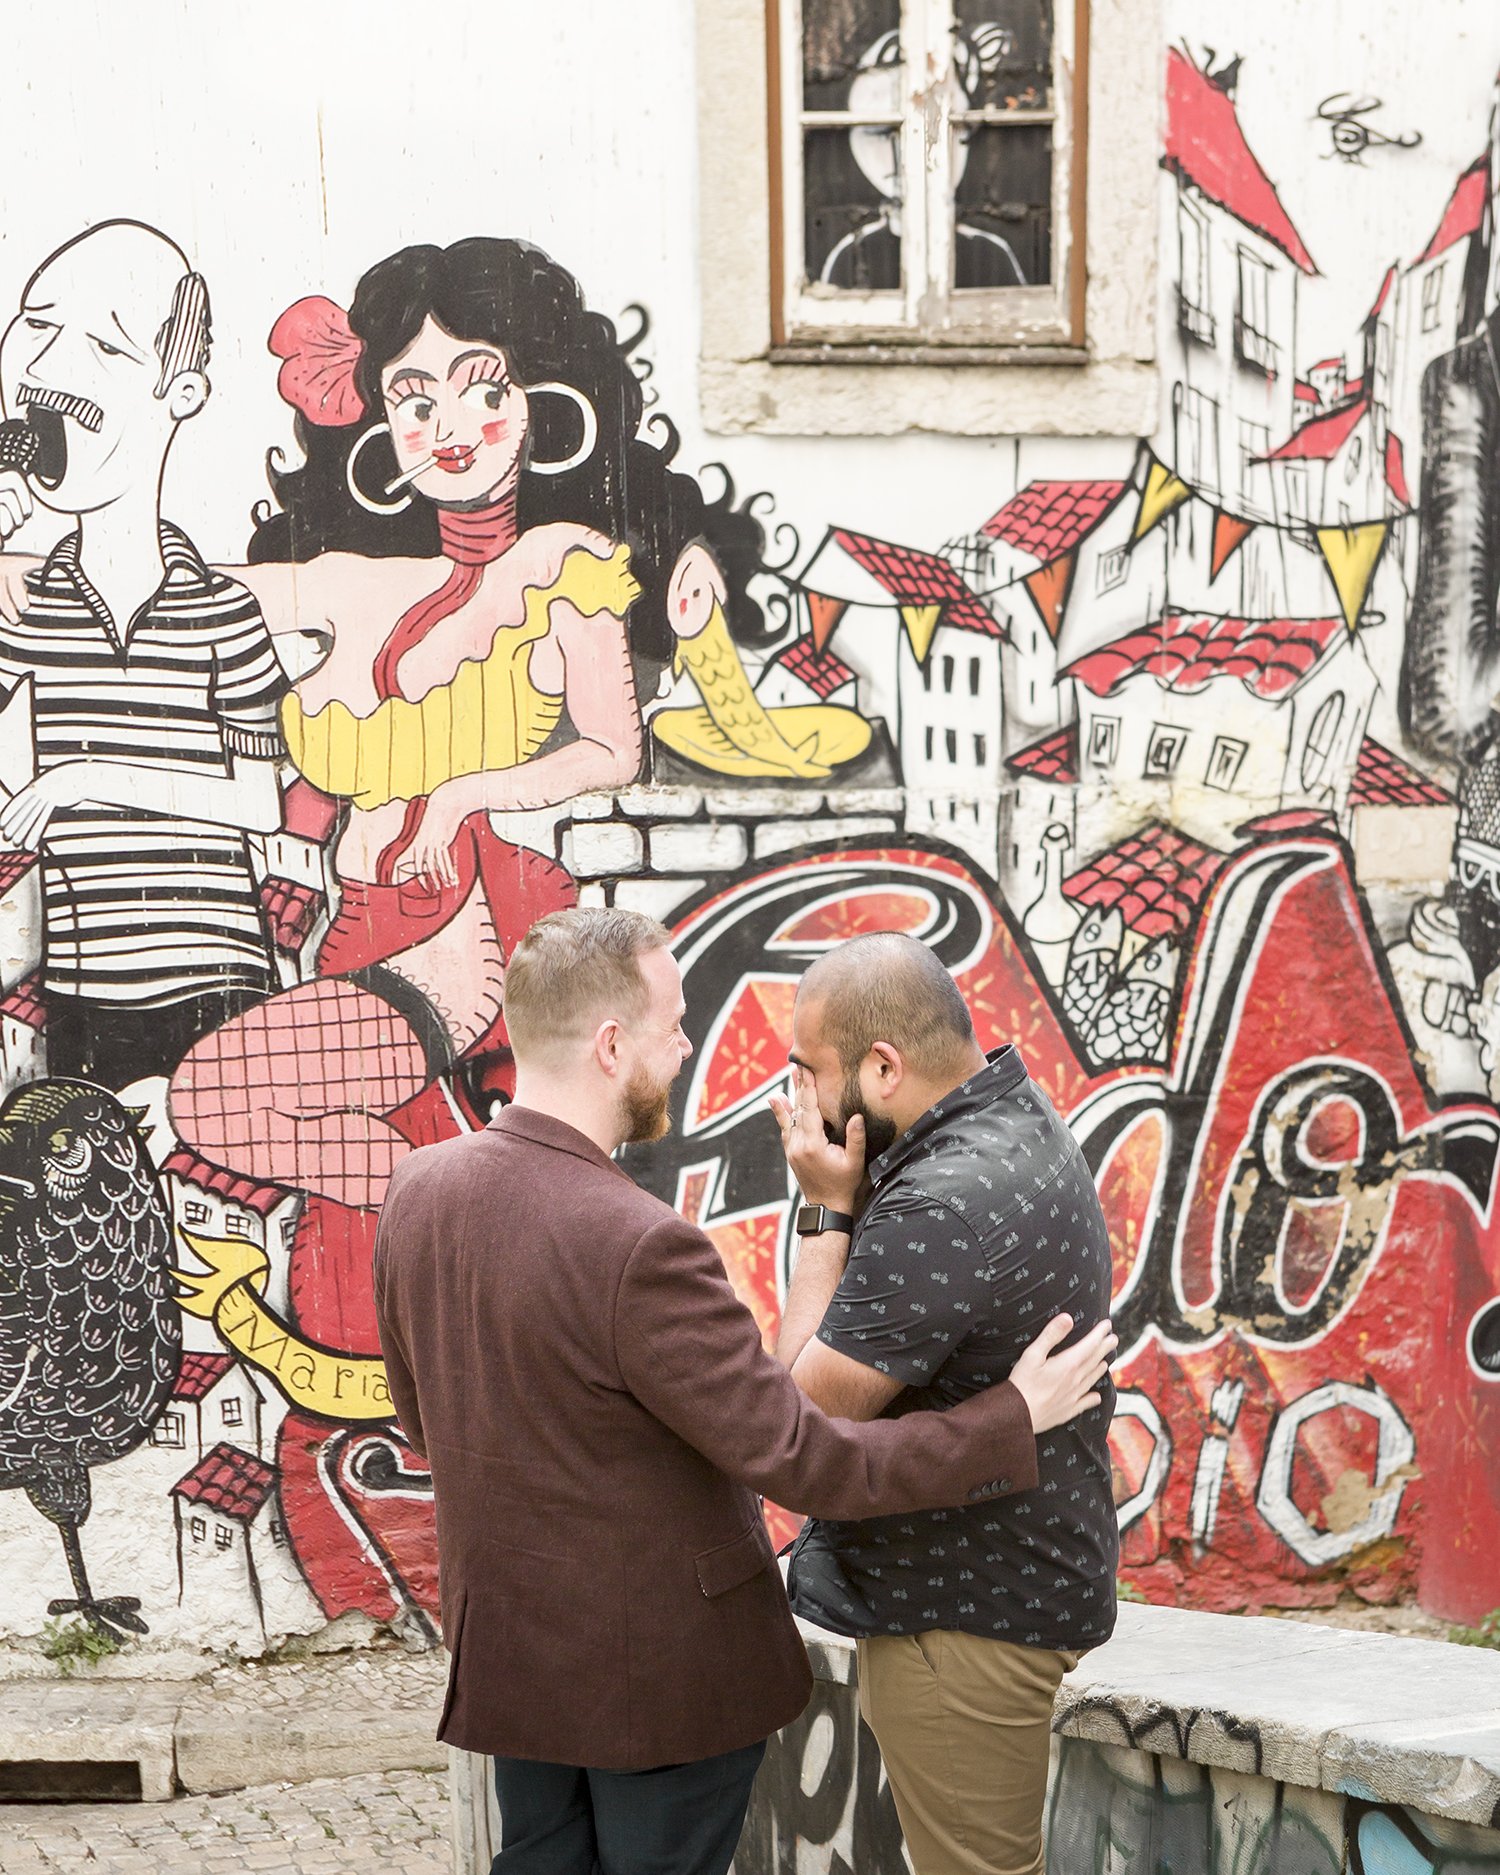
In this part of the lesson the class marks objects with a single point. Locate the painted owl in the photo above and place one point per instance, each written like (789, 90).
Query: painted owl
(90, 1333)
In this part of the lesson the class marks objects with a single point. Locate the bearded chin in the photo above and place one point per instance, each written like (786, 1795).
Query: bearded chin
(647, 1111)
(880, 1133)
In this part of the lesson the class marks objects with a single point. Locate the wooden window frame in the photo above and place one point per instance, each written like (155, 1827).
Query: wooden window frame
(927, 320)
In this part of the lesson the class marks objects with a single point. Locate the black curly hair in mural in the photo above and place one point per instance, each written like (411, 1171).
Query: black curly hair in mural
(510, 294)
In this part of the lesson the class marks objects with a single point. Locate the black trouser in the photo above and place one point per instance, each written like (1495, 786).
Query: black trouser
(683, 1819)
(113, 1044)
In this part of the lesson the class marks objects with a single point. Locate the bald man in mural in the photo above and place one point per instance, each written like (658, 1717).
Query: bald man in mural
(139, 736)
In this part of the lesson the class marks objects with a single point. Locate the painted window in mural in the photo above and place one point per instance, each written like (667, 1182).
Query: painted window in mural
(934, 212)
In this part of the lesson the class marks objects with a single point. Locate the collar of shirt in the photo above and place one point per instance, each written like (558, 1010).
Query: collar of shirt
(1003, 1070)
(181, 561)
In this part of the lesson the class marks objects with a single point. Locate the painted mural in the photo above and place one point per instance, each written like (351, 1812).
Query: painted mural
(1116, 1810)
(822, 1807)
(1187, 770)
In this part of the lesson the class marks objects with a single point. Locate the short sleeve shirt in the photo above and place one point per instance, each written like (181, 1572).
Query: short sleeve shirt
(984, 1224)
(141, 908)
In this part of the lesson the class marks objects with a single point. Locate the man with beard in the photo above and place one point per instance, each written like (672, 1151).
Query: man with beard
(949, 1210)
(150, 680)
(598, 1413)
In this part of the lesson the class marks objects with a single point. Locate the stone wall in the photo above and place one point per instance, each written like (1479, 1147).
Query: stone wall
(1189, 1742)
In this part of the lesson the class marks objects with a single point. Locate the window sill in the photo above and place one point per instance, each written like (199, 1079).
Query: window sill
(808, 352)
(1016, 394)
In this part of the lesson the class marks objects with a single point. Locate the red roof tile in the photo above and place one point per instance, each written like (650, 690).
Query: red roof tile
(913, 577)
(1054, 758)
(822, 671)
(1384, 294)
(1382, 779)
(1157, 878)
(307, 812)
(186, 1165)
(234, 1483)
(1328, 364)
(1321, 438)
(1184, 651)
(1304, 392)
(1289, 820)
(1048, 519)
(14, 867)
(1464, 213)
(200, 1374)
(1207, 147)
(291, 909)
(25, 1004)
(1395, 469)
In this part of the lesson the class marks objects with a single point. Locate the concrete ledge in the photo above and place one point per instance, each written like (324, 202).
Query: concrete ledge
(1392, 1720)
(245, 1749)
(339, 1716)
(62, 1723)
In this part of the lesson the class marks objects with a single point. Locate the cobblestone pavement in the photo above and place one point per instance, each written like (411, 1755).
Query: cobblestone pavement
(394, 1821)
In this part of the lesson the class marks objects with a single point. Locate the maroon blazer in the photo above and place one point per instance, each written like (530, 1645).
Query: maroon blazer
(599, 1414)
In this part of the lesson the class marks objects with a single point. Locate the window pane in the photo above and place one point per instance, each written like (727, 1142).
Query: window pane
(1003, 235)
(851, 52)
(1004, 53)
(852, 212)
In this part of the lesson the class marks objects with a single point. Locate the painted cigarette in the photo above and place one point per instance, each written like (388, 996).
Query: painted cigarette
(410, 475)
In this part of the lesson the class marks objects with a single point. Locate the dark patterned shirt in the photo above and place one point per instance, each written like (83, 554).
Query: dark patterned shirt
(984, 1224)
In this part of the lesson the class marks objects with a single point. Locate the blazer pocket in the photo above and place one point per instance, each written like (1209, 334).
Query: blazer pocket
(725, 1568)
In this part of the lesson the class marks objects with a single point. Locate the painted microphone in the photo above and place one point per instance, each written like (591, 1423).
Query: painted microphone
(20, 445)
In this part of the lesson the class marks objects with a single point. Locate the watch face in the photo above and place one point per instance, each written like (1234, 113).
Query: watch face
(809, 1220)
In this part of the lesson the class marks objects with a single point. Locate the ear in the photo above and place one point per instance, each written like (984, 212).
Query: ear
(186, 395)
(890, 1069)
(607, 1046)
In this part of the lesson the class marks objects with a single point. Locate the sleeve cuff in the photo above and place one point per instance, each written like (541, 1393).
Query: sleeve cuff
(260, 745)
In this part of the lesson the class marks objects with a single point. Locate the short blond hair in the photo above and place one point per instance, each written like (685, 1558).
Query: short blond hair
(574, 970)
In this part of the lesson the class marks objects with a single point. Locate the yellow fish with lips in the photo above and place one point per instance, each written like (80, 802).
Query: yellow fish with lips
(733, 733)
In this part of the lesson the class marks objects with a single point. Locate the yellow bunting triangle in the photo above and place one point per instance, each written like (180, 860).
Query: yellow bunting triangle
(1164, 492)
(1352, 554)
(921, 621)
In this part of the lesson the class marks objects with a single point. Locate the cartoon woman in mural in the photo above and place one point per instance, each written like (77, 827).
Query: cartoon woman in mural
(489, 553)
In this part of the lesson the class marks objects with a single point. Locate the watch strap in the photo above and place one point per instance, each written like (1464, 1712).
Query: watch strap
(812, 1219)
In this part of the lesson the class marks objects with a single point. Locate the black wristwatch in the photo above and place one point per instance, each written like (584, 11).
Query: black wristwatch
(814, 1218)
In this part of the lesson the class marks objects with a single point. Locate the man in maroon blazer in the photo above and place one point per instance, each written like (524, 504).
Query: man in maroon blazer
(599, 1415)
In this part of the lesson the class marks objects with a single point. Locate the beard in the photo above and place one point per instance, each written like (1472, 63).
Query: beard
(645, 1109)
(880, 1132)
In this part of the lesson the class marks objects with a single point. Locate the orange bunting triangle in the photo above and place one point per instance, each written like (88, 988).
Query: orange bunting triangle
(921, 622)
(1229, 531)
(824, 614)
(1352, 554)
(1164, 491)
(1048, 587)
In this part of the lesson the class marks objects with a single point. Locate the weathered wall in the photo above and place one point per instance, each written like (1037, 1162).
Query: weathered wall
(1177, 747)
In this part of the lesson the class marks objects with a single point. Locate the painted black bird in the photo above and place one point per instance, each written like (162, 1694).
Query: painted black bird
(90, 1333)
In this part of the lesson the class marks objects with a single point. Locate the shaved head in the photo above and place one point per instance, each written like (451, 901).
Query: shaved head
(889, 988)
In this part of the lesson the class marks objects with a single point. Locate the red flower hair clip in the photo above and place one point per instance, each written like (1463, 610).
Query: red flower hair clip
(320, 353)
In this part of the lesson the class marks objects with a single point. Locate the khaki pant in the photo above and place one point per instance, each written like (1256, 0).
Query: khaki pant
(964, 1725)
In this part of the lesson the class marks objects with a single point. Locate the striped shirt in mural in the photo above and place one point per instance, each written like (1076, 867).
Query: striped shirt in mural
(145, 909)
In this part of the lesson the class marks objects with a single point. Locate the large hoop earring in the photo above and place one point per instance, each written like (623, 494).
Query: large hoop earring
(590, 429)
(367, 502)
